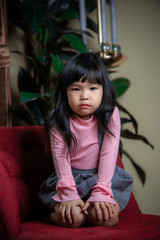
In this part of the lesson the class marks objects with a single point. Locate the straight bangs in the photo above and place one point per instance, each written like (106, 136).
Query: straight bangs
(82, 68)
(92, 76)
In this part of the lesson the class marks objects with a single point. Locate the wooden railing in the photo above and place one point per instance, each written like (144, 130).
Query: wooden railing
(5, 86)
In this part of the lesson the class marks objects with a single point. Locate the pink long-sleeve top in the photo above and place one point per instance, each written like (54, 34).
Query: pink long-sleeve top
(87, 156)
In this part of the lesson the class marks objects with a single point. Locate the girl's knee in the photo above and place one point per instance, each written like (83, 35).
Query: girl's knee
(79, 216)
(110, 222)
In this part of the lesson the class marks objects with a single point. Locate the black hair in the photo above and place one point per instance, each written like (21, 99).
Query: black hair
(82, 66)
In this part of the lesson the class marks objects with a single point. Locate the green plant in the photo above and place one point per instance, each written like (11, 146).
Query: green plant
(49, 44)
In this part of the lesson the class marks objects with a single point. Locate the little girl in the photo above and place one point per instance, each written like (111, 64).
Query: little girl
(84, 132)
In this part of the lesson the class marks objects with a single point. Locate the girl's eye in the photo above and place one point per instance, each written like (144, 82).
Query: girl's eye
(93, 88)
(75, 89)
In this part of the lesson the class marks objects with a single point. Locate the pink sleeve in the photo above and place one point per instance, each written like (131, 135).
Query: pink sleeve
(66, 186)
(102, 190)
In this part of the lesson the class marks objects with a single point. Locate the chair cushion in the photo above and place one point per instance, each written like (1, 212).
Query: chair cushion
(141, 227)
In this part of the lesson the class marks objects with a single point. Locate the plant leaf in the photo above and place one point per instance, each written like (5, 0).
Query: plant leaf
(52, 23)
(128, 134)
(58, 65)
(25, 81)
(92, 25)
(28, 96)
(139, 170)
(133, 120)
(66, 55)
(121, 85)
(91, 5)
(120, 148)
(125, 120)
(75, 42)
(69, 14)
(35, 110)
(44, 60)
(48, 37)
(78, 31)
(22, 54)
(23, 114)
(34, 12)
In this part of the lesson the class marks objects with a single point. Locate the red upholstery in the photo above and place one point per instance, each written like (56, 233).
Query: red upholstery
(24, 165)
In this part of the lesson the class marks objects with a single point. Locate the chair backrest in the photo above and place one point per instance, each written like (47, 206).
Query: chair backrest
(27, 164)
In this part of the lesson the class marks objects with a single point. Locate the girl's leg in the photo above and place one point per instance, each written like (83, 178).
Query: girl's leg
(94, 221)
(56, 219)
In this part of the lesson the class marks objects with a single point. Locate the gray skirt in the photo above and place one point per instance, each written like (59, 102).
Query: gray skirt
(85, 180)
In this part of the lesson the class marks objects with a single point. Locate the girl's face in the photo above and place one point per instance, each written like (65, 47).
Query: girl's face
(84, 98)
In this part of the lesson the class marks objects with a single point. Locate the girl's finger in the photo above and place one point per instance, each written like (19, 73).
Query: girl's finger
(109, 207)
(81, 204)
(73, 214)
(104, 211)
(113, 208)
(62, 213)
(84, 209)
(98, 210)
(68, 215)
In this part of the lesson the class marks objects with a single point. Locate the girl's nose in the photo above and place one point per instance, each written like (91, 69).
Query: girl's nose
(84, 96)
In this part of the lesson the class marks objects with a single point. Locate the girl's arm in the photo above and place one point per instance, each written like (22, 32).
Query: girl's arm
(102, 191)
(66, 186)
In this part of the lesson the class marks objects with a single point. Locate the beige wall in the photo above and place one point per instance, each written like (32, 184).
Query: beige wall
(138, 34)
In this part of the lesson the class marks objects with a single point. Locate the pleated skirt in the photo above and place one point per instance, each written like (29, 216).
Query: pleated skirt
(85, 179)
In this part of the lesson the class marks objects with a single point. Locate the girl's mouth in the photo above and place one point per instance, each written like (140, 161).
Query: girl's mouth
(84, 105)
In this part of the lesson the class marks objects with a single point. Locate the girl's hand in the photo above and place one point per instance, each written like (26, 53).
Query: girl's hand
(104, 209)
(67, 210)
(84, 209)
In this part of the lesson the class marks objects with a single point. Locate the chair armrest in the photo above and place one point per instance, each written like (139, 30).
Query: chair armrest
(9, 208)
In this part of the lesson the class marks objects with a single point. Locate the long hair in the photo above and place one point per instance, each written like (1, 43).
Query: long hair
(82, 66)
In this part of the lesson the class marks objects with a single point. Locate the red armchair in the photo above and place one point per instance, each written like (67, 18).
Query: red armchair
(24, 165)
